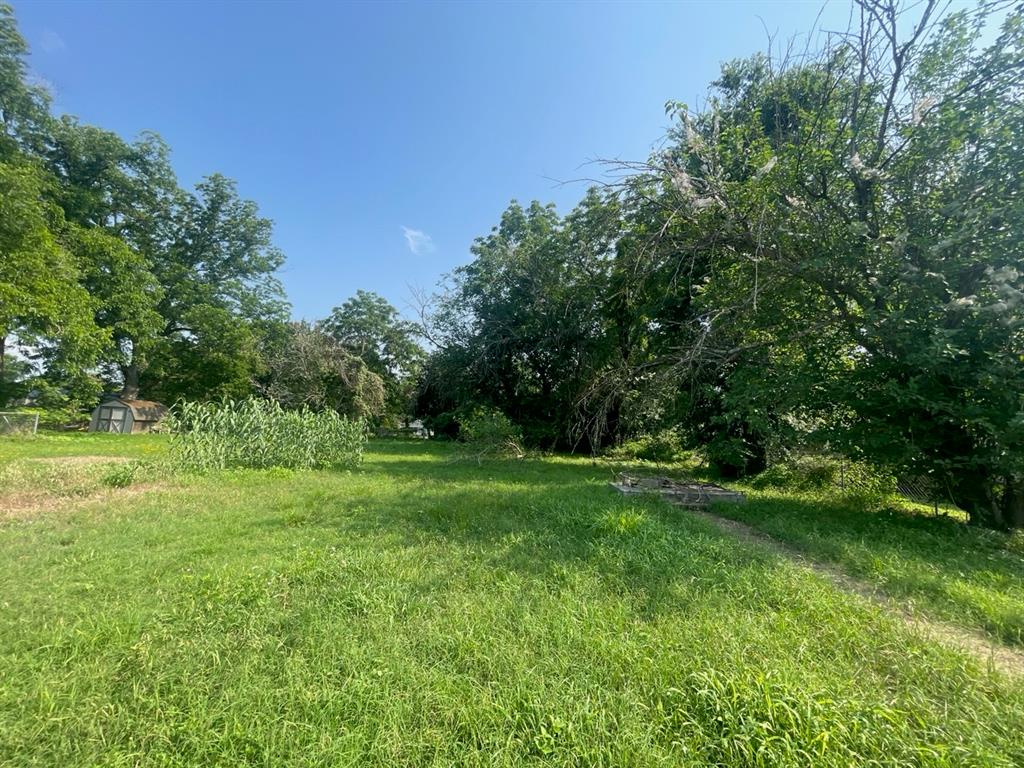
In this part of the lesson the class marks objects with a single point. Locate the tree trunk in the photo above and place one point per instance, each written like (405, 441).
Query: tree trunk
(1013, 503)
(130, 390)
(757, 461)
(973, 493)
(3, 367)
(979, 496)
(613, 426)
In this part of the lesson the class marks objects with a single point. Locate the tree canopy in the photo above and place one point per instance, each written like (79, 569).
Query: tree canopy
(113, 276)
(828, 254)
(372, 330)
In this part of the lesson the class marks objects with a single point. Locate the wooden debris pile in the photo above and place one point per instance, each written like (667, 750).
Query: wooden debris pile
(687, 494)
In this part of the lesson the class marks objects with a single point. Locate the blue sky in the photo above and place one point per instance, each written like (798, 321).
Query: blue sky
(382, 138)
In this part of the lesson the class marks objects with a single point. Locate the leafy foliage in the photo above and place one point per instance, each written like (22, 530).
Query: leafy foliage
(307, 368)
(520, 325)
(368, 327)
(664, 446)
(487, 433)
(840, 477)
(114, 276)
(825, 255)
(41, 294)
(864, 245)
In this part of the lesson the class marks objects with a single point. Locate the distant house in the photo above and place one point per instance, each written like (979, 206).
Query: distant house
(418, 429)
(126, 416)
(414, 428)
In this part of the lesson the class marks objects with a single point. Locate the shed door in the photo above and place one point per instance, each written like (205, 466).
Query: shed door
(111, 419)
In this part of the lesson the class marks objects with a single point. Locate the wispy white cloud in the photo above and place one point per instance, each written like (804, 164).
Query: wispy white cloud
(419, 242)
(51, 42)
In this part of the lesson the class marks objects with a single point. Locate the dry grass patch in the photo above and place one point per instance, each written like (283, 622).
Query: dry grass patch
(29, 487)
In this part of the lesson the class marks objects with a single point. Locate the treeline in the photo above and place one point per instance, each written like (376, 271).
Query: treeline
(115, 278)
(828, 254)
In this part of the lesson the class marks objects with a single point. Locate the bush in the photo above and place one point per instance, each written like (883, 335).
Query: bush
(489, 432)
(803, 473)
(259, 434)
(444, 426)
(664, 446)
(856, 480)
(124, 474)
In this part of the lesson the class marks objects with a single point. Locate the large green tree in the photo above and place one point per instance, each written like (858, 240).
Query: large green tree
(521, 326)
(369, 327)
(827, 254)
(148, 286)
(858, 211)
(42, 298)
(220, 295)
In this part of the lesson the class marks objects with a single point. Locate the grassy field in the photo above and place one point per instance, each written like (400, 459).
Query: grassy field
(943, 568)
(56, 445)
(420, 611)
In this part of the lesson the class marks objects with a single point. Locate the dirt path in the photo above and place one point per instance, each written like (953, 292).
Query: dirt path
(987, 651)
(79, 461)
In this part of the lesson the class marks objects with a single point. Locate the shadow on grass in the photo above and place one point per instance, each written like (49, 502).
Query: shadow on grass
(556, 521)
(525, 473)
(960, 570)
(543, 515)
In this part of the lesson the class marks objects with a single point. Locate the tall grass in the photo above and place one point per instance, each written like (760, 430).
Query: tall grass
(948, 569)
(260, 434)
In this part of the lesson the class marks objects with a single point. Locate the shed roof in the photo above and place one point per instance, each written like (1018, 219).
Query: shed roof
(142, 410)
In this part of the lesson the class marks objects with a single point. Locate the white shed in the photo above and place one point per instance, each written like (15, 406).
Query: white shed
(126, 416)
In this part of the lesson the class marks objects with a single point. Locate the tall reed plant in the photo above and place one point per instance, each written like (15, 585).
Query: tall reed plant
(260, 434)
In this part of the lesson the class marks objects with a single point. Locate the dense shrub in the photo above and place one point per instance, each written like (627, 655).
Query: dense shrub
(664, 446)
(443, 426)
(260, 434)
(853, 479)
(124, 474)
(489, 432)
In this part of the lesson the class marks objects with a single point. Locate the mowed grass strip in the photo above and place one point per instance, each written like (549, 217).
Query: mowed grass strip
(423, 612)
(54, 445)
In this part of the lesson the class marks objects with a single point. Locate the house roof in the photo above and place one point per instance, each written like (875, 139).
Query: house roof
(142, 410)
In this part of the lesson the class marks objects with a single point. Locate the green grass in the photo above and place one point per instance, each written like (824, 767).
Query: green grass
(423, 612)
(55, 444)
(943, 567)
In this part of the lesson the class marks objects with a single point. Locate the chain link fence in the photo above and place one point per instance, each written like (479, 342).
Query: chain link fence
(919, 489)
(13, 423)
